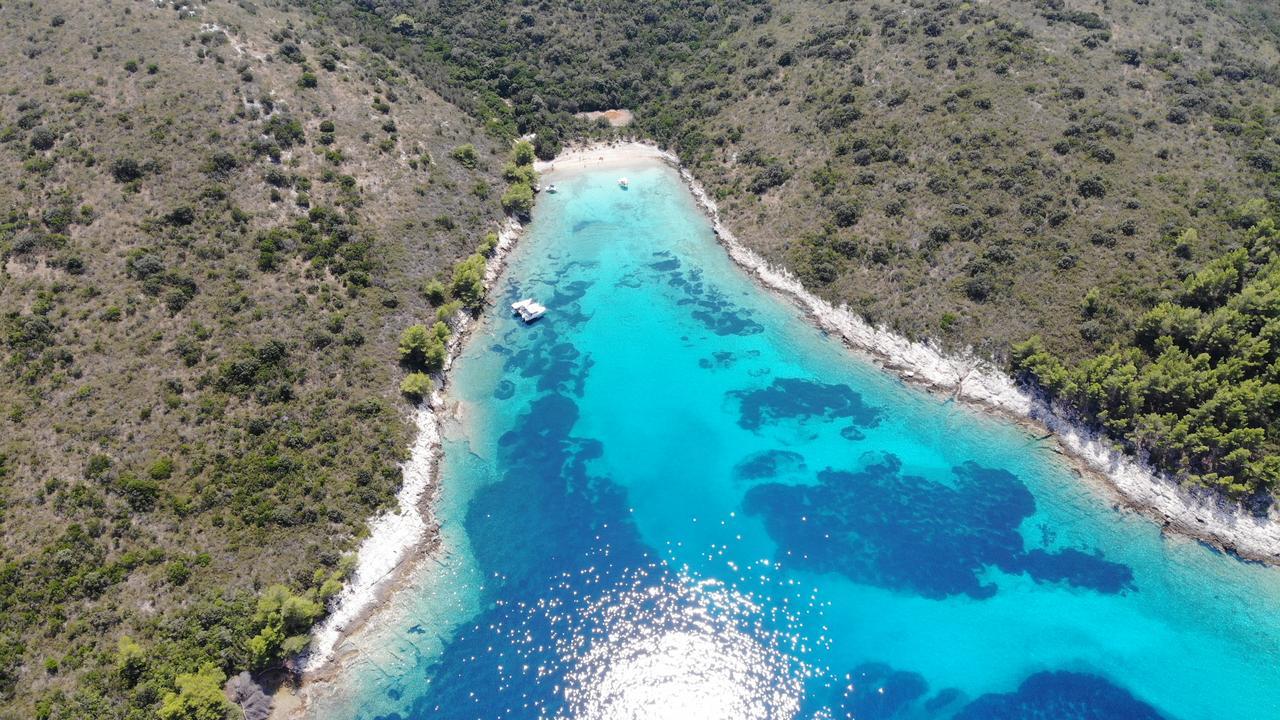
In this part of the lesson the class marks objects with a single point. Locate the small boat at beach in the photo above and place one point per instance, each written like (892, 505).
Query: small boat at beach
(551, 188)
(528, 309)
(623, 183)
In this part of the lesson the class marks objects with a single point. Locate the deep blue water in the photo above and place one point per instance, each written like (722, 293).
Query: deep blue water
(672, 497)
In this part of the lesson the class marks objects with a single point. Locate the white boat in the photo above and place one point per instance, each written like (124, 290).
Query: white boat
(623, 183)
(551, 188)
(528, 309)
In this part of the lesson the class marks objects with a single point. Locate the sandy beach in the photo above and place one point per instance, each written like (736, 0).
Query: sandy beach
(401, 539)
(618, 155)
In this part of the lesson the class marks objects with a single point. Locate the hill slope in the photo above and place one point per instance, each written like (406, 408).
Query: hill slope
(216, 221)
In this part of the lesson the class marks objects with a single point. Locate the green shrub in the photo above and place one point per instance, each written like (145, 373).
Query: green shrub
(282, 620)
(199, 697)
(514, 173)
(180, 216)
(1092, 187)
(468, 281)
(413, 344)
(547, 144)
(58, 218)
(845, 213)
(42, 139)
(523, 153)
(434, 291)
(445, 312)
(221, 164)
(402, 24)
(518, 200)
(416, 385)
(97, 467)
(161, 469)
(125, 170)
(177, 572)
(140, 493)
(465, 155)
(286, 131)
(131, 660)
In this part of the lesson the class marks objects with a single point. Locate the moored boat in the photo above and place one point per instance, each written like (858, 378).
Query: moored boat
(528, 309)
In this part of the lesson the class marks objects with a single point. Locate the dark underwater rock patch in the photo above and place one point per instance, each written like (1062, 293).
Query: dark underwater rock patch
(852, 433)
(709, 305)
(718, 361)
(769, 464)
(907, 533)
(1060, 696)
(797, 398)
(876, 691)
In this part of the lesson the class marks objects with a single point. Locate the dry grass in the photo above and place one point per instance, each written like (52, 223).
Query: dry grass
(981, 135)
(112, 381)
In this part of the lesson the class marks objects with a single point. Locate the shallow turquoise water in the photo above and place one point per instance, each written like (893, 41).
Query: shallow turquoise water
(672, 497)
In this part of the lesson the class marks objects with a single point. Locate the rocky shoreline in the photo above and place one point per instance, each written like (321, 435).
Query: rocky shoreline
(1198, 514)
(399, 538)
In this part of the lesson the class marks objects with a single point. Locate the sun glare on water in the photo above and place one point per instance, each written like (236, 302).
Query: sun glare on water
(681, 650)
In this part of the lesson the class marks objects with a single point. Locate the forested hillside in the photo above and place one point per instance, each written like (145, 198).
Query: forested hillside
(976, 174)
(216, 221)
(1196, 388)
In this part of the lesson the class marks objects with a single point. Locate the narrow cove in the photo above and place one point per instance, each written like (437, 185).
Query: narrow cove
(673, 497)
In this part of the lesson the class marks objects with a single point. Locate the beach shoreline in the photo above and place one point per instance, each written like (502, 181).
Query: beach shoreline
(388, 555)
(602, 156)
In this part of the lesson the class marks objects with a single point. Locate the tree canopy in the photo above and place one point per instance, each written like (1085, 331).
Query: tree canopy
(1196, 391)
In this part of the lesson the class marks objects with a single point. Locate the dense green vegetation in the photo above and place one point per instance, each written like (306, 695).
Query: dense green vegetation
(525, 68)
(1196, 388)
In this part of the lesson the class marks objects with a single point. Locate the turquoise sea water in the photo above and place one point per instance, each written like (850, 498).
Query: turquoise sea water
(673, 497)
